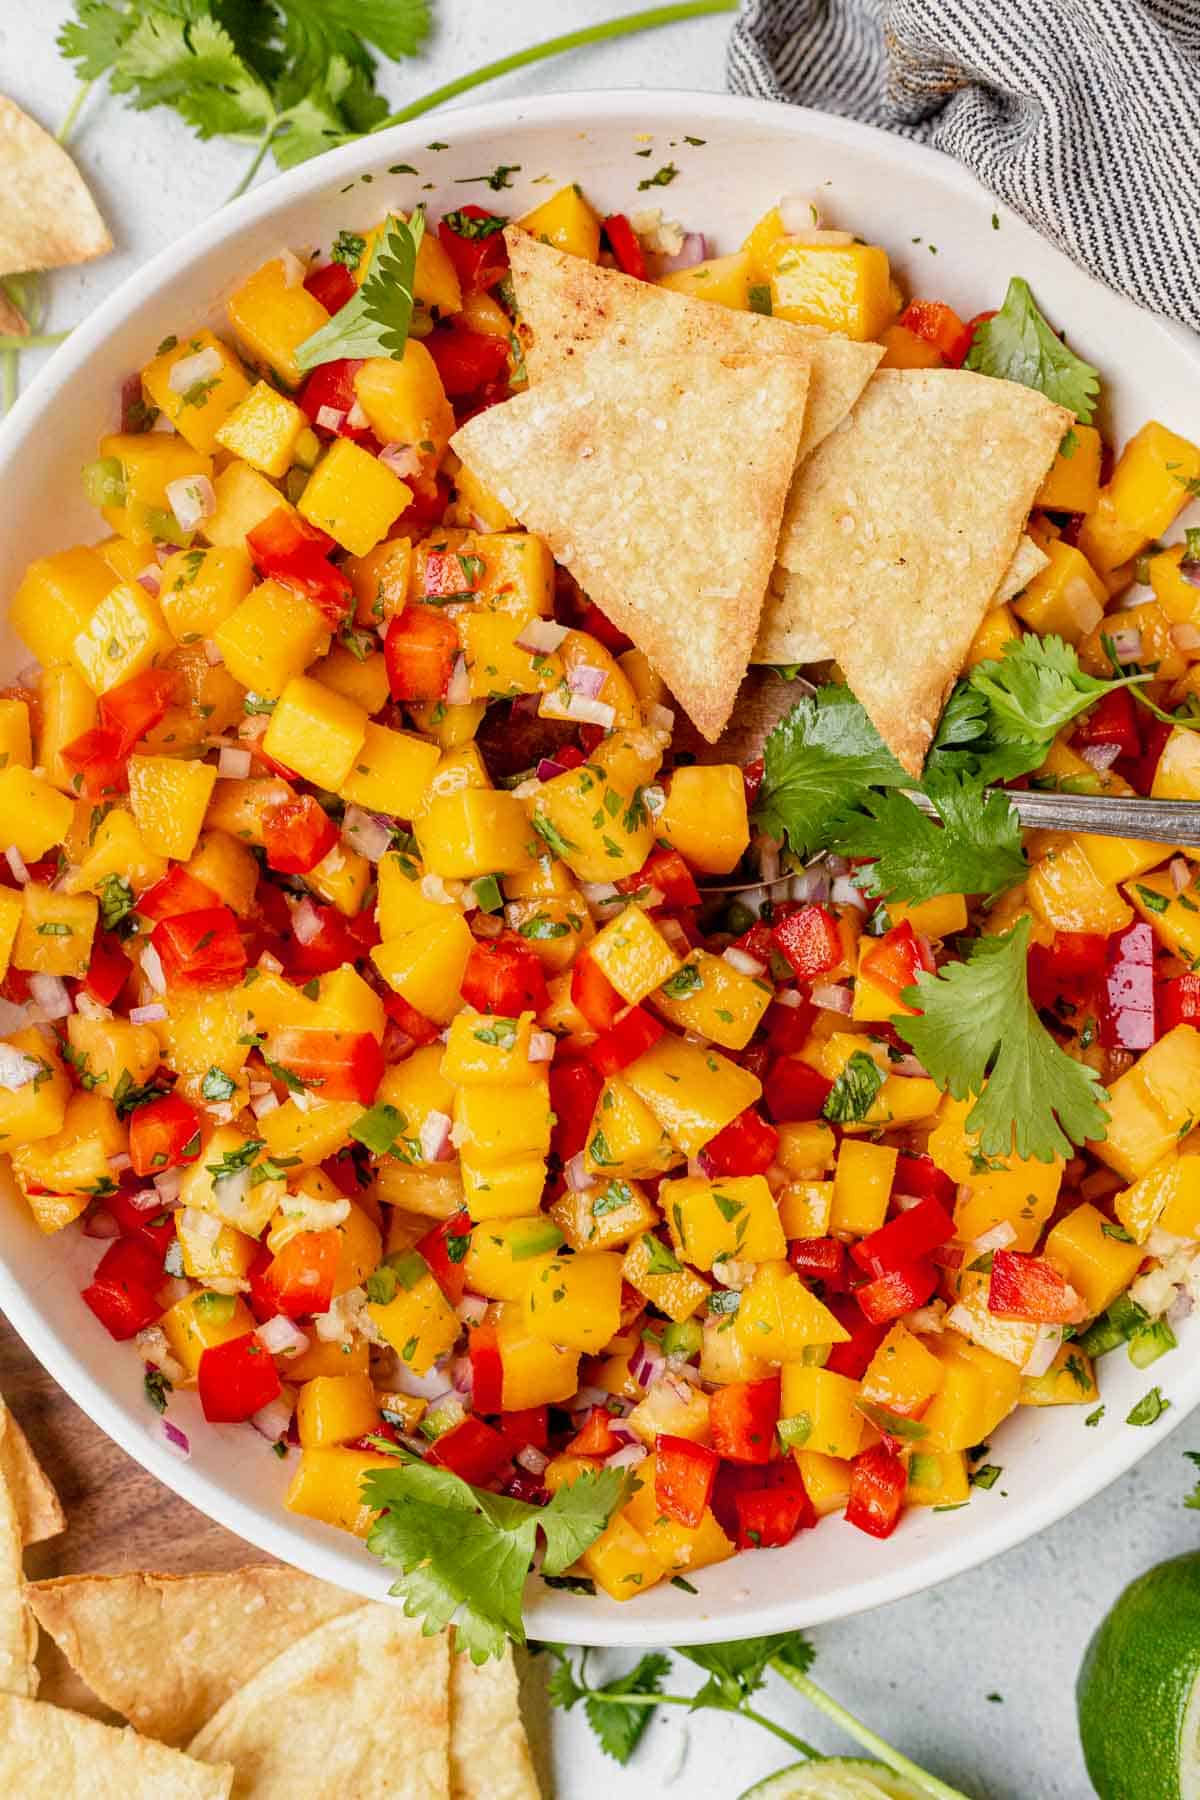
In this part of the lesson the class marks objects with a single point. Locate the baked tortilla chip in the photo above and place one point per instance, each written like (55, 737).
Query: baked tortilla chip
(48, 1750)
(18, 1627)
(1029, 559)
(39, 1512)
(359, 1707)
(47, 217)
(898, 532)
(566, 306)
(659, 482)
(489, 1752)
(12, 322)
(167, 1651)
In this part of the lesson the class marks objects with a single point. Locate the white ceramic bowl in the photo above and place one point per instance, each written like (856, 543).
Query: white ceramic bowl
(948, 239)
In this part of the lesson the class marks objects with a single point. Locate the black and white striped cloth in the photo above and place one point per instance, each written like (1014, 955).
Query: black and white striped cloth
(1083, 115)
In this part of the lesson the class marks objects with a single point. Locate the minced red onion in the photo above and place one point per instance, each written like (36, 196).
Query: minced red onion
(120, 1162)
(768, 860)
(488, 925)
(1045, 1349)
(1180, 1307)
(458, 688)
(145, 1200)
(306, 922)
(813, 885)
(330, 418)
(174, 1439)
(660, 718)
(274, 1419)
(434, 1136)
(799, 212)
(998, 1238)
(654, 798)
(1127, 644)
(150, 1014)
(212, 653)
(292, 267)
(1181, 875)
(586, 679)
(742, 961)
(627, 1457)
(1100, 756)
(542, 1045)
(167, 1186)
(646, 1363)
(831, 996)
(191, 369)
(99, 1223)
(402, 459)
(1189, 568)
(1186, 637)
(150, 579)
(542, 636)
(262, 1104)
(16, 863)
(164, 552)
(281, 1337)
(471, 1309)
(433, 887)
(908, 1065)
(576, 1175)
(50, 996)
(357, 419)
(205, 1227)
(693, 250)
(846, 892)
(790, 997)
(531, 1459)
(16, 1069)
(547, 769)
(234, 764)
(365, 833)
(586, 711)
(191, 498)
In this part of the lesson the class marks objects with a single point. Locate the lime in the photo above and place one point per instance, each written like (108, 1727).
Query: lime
(1138, 1687)
(835, 1778)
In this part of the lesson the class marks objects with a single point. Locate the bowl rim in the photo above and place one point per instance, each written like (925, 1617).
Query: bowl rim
(548, 1614)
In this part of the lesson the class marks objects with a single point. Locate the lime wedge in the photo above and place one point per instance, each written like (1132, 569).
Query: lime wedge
(835, 1778)
(1138, 1692)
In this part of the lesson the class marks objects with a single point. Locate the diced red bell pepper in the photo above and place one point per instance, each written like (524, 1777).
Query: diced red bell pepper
(1179, 1002)
(1113, 720)
(466, 359)
(505, 977)
(940, 326)
(1140, 771)
(480, 256)
(878, 1479)
(138, 705)
(598, 625)
(287, 548)
(200, 949)
(575, 1088)
(487, 1369)
(1127, 992)
(155, 1228)
(177, 892)
(108, 969)
(412, 1023)
(299, 1280)
(752, 779)
(758, 942)
(852, 1357)
(787, 1027)
(769, 1517)
(473, 1450)
(529, 1425)
(795, 1090)
(625, 245)
(444, 1247)
(811, 941)
(895, 960)
(746, 1146)
(594, 994)
(332, 285)
(596, 1436)
(666, 871)
(122, 1291)
(919, 1176)
(1068, 969)
(420, 650)
(913, 1233)
(819, 1259)
(236, 1379)
(1028, 1287)
(331, 945)
(742, 1420)
(684, 1474)
(297, 833)
(336, 1065)
(163, 1134)
(331, 385)
(445, 578)
(897, 1291)
(96, 763)
(632, 1035)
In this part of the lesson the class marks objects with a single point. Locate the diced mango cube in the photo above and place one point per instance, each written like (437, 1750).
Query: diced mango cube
(57, 596)
(566, 221)
(125, 635)
(705, 816)
(825, 1403)
(353, 496)
(210, 382)
(427, 966)
(263, 429)
(34, 817)
(315, 732)
(272, 316)
(56, 931)
(169, 796)
(842, 287)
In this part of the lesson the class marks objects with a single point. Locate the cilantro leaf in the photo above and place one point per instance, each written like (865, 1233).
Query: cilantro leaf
(736, 1670)
(977, 1033)
(1193, 1499)
(193, 66)
(463, 1554)
(816, 764)
(1017, 344)
(375, 322)
(1149, 1409)
(853, 1093)
(1035, 689)
(618, 1728)
(92, 39)
(975, 850)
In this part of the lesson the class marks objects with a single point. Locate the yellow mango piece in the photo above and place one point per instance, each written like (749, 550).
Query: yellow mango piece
(1174, 1181)
(602, 1217)
(504, 1254)
(68, 709)
(149, 463)
(575, 1300)
(333, 1409)
(315, 732)
(826, 1480)
(404, 399)
(693, 1092)
(271, 316)
(625, 1139)
(201, 1321)
(862, 1186)
(841, 287)
(11, 908)
(805, 1209)
(244, 499)
(1013, 1340)
(998, 629)
(806, 1147)
(780, 1319)
(169, 797)
(722, 279)
(37, 1108)
(903, 349)
(270, 638)
(1158, 647)
(978, 1390)
(227, 867)
(34, 817)
(678, 1547)
(1181, 1213)
(534, 1371)
(500, 1123)
(633, 953)
(1067, 598)
(342, 878)
(902, 1375)
(598, 830)
(705, 816)
(1072, 483)
(311, 1135)
(1098, 1267)
(474, 831)
(15, 743)
(1064, 890)
(658, 1274)
(820, 1408)
(1069, 1381)
(417, 1087)
(735, 1217)
(353, 496)
(198, 399)
(125, 635)
(55, 599)
(482, 1050)
(502, 1189)
(566, 221)
(264, 430)
(1148, 487)
(710, 997)
(327, 1486)
(937, 1478)
(390, 772)
(427, 966)
(478, 502)
(1176, 596)
(56, 931)
(225, 1258)
(621, 1562)
(362, 679)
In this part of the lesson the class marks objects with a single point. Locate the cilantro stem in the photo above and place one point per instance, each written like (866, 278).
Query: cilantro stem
(73, 111)
(264, 144)
(862, 1734)
(45, 340)
(8, 371)
(745, 1712)
(649, 20)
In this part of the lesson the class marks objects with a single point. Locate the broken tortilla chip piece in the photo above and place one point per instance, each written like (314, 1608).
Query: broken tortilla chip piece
(489, 1752)
(18, 1627)
(898, 532)
(659, 482)
(360, 1706)
(39, 1512)
(566, 307)
(48, 1750)
(47, 217)
(167, 1651)
(1029, 559)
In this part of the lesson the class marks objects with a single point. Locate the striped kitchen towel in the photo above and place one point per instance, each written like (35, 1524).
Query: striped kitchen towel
(1083, 115)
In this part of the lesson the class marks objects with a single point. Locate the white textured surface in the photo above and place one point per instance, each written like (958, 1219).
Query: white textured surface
(919, 1671)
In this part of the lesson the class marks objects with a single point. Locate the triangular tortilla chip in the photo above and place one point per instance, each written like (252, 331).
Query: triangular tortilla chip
(48, 1750)
(167, 1651)
(48, 219)
(566, 306)
(1029, 559)
(39, 1511)
(489, 1752)
(659, 482)
(18, 1627)
(358, 1707)
(899, 530)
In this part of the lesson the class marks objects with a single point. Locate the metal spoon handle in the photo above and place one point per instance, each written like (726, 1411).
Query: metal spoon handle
(1103, 815)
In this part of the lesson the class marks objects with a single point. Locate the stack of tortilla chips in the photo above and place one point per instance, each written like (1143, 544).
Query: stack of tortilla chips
(261, 1682)
(731, 488)
(47, 217)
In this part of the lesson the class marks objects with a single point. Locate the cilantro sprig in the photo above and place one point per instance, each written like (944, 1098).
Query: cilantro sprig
(376, 321)
(976, 848)
(978, 1034)
(1017, 344)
